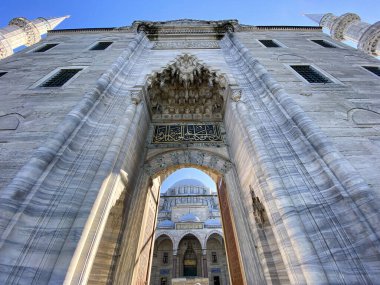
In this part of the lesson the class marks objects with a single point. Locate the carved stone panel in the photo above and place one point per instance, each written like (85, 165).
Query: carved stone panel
(186, 133)
(186, 90)
(191, 44)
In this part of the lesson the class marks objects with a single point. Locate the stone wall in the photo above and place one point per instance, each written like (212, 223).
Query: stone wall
(39, 111)
(348, 110)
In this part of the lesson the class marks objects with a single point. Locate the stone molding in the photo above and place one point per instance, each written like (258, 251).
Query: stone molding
(370, 40)
(5, 48)
(186, 89)
(31, 179)
(31, 31)
(325, 19)
(161, 163)
(46, 22)
(186, 44)
(341, 23)
(188, 26)
(236, 94)
(334, 169)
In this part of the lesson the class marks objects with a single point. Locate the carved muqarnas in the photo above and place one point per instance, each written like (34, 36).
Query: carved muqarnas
(186, 89)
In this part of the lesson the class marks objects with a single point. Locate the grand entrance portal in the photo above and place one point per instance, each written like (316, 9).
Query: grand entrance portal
(189, 94)
(262, 151)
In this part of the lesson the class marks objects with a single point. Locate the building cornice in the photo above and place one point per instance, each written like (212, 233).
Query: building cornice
(187, 26)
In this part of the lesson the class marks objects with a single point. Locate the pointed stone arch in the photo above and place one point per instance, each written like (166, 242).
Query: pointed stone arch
(164, 163)
(178, 240)
(214, 232)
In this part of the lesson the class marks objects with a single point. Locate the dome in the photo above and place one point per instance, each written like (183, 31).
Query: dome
(213, 223)
(165, 224)
(190, 217)
(188, 182)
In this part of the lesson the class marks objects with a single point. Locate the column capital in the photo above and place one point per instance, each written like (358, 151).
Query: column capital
(370, 40)
(5, 48)
(32, 33)
(341, 24)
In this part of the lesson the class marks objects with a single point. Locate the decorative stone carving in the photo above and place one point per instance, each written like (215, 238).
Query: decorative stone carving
(161, 162)
(186, 89)
(183, 133)
(186, 26)
(258, 209)
(46, 22)
(5, 48)
(362, 116)
(191, 44)
(370, 39)
(236, 95)
(32, 33)
(341, 24)
(136, 96)
(348, 26)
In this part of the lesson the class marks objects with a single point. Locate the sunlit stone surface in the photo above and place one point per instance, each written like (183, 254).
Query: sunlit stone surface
(297, 167)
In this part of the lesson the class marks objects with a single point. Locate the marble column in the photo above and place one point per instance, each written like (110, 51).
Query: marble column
(23, 32)
(204, 264)
(175, 266)
(350, 27)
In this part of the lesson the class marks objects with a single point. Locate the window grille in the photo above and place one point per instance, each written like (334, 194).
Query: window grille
(269, 43)
(324, 43)
(374, 69)
(45, 47)
(101, 46)
(214, 258)
(165, 258)
(60, 78)
(310, 74)
(2, 73)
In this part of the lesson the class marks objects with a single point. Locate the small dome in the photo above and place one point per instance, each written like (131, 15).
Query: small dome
(165, 224)
(188, 182)
(190, 217)
(213, 223)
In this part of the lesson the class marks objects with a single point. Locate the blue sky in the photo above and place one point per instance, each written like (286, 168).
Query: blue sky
(95, 13)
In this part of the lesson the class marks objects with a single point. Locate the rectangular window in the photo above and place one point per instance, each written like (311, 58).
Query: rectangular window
(45, 47)
(60, 78)
(374, 69)
(214, 258)
(324, 43)
(2, 73)
(310, 74)
(269, 43)
(101, 46)
(165, 258)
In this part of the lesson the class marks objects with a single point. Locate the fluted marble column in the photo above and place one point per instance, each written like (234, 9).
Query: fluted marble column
(23, 32)
(349, 27)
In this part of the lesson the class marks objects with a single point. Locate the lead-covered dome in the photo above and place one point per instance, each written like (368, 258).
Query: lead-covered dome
(213, 223)
(166, 224)
(188, 182)
(190, 217)
(188, 187)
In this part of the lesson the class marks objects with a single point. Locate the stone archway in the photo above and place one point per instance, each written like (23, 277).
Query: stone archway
(155, 169)
(281, 160)
(189, 255)
(162, 258)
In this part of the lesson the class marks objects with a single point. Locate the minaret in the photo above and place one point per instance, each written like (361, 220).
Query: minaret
(349, 27)
(21, 31)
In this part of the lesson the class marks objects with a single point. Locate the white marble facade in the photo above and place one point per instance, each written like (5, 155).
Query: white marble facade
(296, 163)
